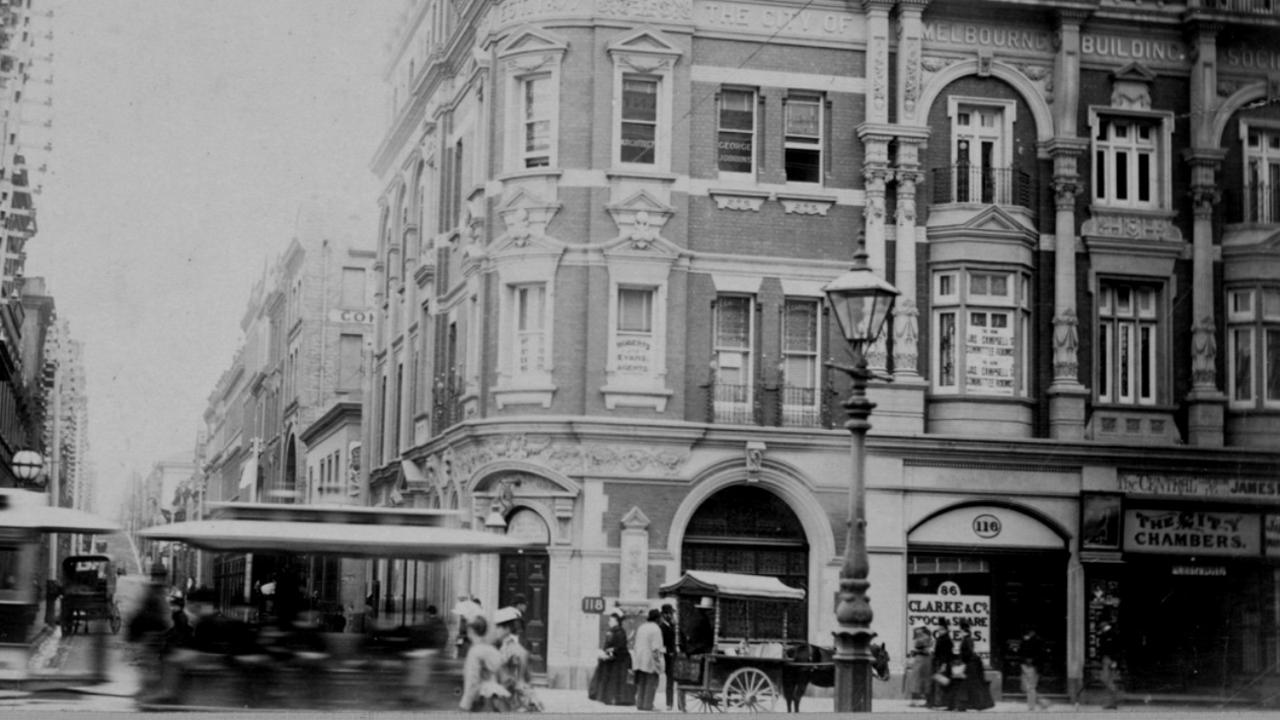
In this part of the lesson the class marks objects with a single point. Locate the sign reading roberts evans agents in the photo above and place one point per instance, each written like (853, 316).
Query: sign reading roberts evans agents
(1190, 532)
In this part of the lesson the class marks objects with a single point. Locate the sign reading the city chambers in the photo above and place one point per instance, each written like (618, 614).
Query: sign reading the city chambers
(1190, 532)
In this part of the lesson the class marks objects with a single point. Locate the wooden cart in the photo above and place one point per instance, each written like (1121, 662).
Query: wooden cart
(88, 593)
(740, 674)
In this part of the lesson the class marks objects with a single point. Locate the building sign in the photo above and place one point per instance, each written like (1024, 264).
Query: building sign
(363, 317)
(1199, 570)
(971, 35)
(1249, 58)
(1135, 49)
(634, 355)
(772, 19)
(924, 609)
(986, 526)
(1101, 46)
(1191, 532)
(1271, 536)
(989, 357)
(1104, 607)
(1197, 486)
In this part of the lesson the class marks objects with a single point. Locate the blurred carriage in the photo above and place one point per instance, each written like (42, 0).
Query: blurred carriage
(88, 593)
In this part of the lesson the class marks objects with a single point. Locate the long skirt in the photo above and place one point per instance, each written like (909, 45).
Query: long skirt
(611, 683)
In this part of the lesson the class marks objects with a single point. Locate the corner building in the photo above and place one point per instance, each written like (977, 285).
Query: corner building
(604, 232)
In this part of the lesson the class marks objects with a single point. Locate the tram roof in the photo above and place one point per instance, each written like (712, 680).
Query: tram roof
(26, 510)
(723, 584)
(416, 542)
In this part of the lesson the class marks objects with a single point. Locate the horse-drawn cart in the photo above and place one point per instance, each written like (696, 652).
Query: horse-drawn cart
(739, 673)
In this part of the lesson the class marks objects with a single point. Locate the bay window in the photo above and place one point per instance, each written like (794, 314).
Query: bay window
(1128, 343)
(1253, 347)
(981, 319)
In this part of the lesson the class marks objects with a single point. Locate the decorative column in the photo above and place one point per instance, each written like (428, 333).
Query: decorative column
(876, 134)
(633, 581)
(1066, 394)
(911, 141)
(1206, 403)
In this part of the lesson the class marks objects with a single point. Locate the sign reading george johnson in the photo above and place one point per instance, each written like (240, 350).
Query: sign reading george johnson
(1191, 532)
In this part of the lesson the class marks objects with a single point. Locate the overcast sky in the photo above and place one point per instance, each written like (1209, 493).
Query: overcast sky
(186, 135)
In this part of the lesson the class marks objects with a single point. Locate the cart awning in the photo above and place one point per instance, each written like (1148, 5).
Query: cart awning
(29, 511)
(347, 540)
(707, 582)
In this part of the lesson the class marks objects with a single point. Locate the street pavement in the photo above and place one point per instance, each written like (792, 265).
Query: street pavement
(71, 656)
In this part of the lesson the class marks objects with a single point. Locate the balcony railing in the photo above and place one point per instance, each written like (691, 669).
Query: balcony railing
(967, 183)
(772, 405)
(1262, 203)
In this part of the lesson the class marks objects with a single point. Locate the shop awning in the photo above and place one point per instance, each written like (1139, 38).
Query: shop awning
(347, 540)
(706, 582)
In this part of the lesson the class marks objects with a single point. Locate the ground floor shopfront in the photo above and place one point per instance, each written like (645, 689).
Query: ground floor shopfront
(987, 531)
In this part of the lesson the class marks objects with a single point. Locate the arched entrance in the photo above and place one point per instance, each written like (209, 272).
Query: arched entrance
(525, 573)
(746, 529)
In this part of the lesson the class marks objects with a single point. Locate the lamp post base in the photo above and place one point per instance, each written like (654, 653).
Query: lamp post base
(853, 670)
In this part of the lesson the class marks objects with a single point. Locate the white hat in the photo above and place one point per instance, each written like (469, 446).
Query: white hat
(706, 602)
(505, 615)
(617, 612)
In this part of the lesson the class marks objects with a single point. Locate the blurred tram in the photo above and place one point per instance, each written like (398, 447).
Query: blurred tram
(276, 647)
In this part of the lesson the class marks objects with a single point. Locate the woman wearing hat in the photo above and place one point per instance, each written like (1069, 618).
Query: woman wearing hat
(482, 690)
(611, 683)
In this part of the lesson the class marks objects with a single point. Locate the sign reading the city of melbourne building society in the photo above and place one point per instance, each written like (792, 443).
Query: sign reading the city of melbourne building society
(1190, 532)
(924, 609)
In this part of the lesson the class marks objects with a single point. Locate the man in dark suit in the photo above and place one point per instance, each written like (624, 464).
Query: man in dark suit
(667, 624)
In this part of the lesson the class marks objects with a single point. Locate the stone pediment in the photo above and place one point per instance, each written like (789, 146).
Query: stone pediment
(1131, 87)
(990, 221)
(640, 218)
(529, 49)
(645, 50)
(526, 217)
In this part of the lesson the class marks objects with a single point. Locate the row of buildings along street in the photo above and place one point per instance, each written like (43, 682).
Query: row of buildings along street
(589, 300)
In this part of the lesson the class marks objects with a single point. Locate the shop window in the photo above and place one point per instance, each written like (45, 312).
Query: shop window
(1262, 173)
(981, 319)
(736, 134)
(1253, 347)
(804, 138)
(734, 332)
(1128, 343)
(1131, 159)
(801, 371)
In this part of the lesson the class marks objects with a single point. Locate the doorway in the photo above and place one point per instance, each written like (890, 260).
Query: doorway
(525, 573)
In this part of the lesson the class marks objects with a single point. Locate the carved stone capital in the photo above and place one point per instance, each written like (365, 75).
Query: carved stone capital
(1065, 190)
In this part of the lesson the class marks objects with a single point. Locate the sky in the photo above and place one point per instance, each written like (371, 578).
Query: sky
(186, 136)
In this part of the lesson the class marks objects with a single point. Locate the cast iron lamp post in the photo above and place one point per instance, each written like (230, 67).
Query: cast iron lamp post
(862, 301)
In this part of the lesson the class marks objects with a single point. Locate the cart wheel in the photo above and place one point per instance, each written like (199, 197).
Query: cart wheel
(749, 689)
(700, 700)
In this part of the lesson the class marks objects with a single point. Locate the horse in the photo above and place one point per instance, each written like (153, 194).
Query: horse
(814, 665)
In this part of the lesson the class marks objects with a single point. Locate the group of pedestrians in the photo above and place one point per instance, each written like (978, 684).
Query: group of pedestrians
(628, 673)
(496, 674)
(946, 673)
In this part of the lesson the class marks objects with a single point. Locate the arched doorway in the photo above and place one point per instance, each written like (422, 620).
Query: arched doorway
(525, 573)
(750, 530)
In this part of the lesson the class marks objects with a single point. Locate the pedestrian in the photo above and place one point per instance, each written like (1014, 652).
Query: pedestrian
(481, 689)
(147, 628)
(943, 654)
(647, 659)
(1109, 652)
(918, 682)
(1031, 654)
(515, 676)
(699, 635)
(968, 678)
(610, 683)
(667, 623)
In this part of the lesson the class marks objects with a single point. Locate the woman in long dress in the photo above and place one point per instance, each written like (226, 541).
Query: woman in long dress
(482, 689)
(971, 691)
(918, 680)
(611, 683)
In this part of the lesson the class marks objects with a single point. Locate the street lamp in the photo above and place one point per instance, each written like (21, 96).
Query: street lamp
(861, 301)
(27, 466)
